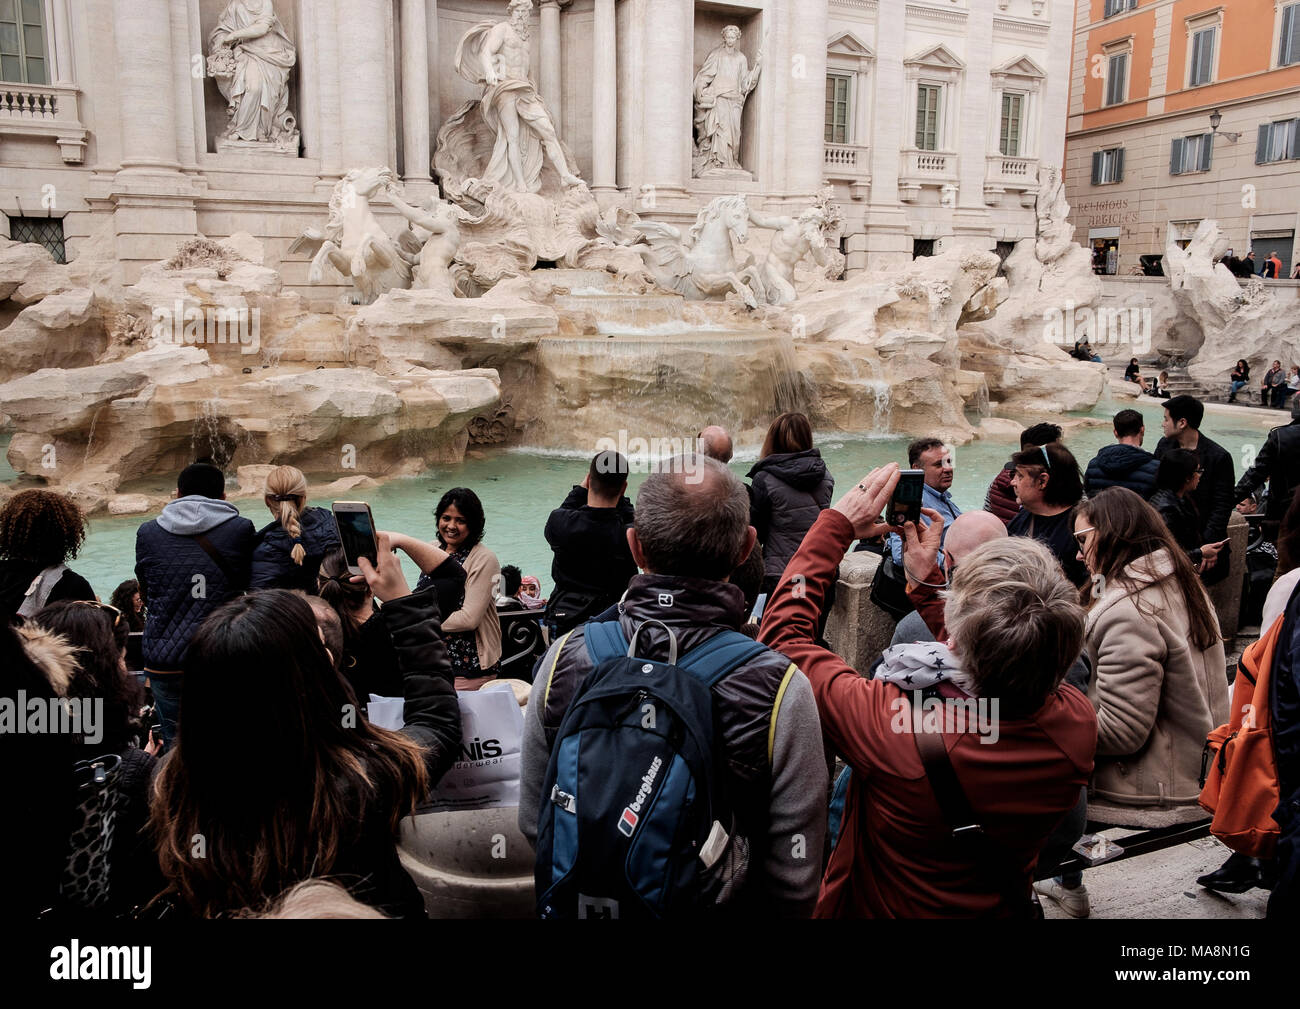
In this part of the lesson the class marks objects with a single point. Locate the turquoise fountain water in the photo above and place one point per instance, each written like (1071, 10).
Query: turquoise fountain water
(519, 489)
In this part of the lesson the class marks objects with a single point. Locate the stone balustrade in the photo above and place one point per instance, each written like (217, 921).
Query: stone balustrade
(1003, 173)
(44, 110)
(926, 168)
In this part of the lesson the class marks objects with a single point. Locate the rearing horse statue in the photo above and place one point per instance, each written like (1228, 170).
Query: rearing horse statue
(707, 268)
(354, 242)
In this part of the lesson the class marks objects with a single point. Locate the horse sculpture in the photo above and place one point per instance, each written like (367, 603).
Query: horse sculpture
(354, 242)
(707, 268)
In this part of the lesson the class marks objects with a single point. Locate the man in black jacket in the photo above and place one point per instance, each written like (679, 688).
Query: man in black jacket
(1126, 463)
(189, 560)
(1214, 496)
(1278, 462)
(588, 535)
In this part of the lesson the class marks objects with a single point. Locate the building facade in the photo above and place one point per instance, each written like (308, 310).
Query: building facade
(939, 114)
(1182, 110)
(940, 117)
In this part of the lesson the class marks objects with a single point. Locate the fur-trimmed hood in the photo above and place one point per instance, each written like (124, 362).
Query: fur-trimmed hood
(51, 653)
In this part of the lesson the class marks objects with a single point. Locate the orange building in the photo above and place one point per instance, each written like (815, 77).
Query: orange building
(1182, 110)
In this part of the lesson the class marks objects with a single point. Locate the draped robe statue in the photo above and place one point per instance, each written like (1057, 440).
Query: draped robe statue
(250, 56)
(721, 87)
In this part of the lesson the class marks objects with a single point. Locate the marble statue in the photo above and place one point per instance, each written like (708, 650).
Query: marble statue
(721, 86)
(440, 221)
(707, 267)
(250, 57)
(495, 55)
(354, 242)
(795, 238)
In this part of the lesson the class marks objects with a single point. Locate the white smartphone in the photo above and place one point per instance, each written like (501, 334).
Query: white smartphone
(357, 533)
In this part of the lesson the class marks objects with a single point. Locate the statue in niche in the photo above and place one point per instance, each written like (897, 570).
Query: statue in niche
(250, 57)
(721, 87)
(495, 54)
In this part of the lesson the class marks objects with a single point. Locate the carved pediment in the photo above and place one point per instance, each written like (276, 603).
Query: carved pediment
(937, 57)
(1021, 66)
(849, 46)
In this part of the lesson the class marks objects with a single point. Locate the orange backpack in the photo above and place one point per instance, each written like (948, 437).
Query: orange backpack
(1239, 783)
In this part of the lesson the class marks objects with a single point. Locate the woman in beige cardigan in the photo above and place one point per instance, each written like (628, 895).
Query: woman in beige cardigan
(473, 632)
(1159, 679)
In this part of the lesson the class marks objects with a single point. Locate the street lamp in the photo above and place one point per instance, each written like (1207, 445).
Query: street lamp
(1216, 117)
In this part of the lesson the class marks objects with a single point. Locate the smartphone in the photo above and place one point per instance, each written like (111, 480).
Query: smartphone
(905, 505)
(357, 533)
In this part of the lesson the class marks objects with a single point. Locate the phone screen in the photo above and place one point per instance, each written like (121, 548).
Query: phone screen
(905, 505)
(357, 534)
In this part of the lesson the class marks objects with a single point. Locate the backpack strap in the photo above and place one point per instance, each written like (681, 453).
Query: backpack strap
(222, 564)
(994, 862)
(605, 640)
(720, 655)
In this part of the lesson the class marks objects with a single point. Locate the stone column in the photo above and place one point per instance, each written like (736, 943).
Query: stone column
(604, 103)
(328, 114)
(549, 75)
(886, 241)
(415, 92)
(56, 20)
(363, 81)
(435, 98)
(146, 89)
(666, 114)
(805, 127)
(971, 221)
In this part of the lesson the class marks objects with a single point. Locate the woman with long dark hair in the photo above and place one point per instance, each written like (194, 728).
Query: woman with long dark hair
(97, 633)
(473, 631)
(1159, 682)
(1176, 480)
(789, 487)
(289, 782)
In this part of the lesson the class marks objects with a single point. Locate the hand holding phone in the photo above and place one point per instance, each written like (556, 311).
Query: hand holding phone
(905, 505)
(356, 528)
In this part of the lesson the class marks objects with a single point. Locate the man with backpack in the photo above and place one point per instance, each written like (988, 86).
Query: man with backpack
(189, 560)
(671, 766)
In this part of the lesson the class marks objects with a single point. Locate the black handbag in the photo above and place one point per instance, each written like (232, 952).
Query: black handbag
(889, 588)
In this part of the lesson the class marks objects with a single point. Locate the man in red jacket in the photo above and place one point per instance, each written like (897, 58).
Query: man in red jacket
(1014, 628)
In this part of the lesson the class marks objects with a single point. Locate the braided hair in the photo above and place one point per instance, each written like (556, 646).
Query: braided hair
(286, 496)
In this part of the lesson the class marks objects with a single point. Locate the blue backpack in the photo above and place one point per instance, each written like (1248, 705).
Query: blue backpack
(633, 820)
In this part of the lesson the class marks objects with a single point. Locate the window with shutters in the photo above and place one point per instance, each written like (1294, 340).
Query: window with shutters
(927, 117)
(1108, 166)
(1117, 78)
(1288, 35)
(1279, 141)
(22, 42)
(1114, 7)
(1013, 117)
(1191, 154)
(1202, 49)
(838, 90)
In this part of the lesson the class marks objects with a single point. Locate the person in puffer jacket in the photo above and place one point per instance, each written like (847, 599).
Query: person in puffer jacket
(189, 560)
(287, 552)
(1126, 463)
(790, 486)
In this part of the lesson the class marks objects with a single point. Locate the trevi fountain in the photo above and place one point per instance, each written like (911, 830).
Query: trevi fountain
(504, 311)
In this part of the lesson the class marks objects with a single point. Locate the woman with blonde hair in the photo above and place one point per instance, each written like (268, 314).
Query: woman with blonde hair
(287, 552)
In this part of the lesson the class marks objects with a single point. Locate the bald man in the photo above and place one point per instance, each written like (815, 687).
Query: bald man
(966, 533)
(715, 442)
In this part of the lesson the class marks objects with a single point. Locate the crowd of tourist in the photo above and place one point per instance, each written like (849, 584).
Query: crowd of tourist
(1070, 617)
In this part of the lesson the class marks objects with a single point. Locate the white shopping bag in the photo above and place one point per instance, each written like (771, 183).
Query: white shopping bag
(486, 773)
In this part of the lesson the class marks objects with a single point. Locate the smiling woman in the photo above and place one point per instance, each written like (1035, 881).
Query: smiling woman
(473, 632)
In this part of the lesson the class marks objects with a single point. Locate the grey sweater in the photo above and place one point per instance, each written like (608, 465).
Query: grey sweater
(791, 871)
